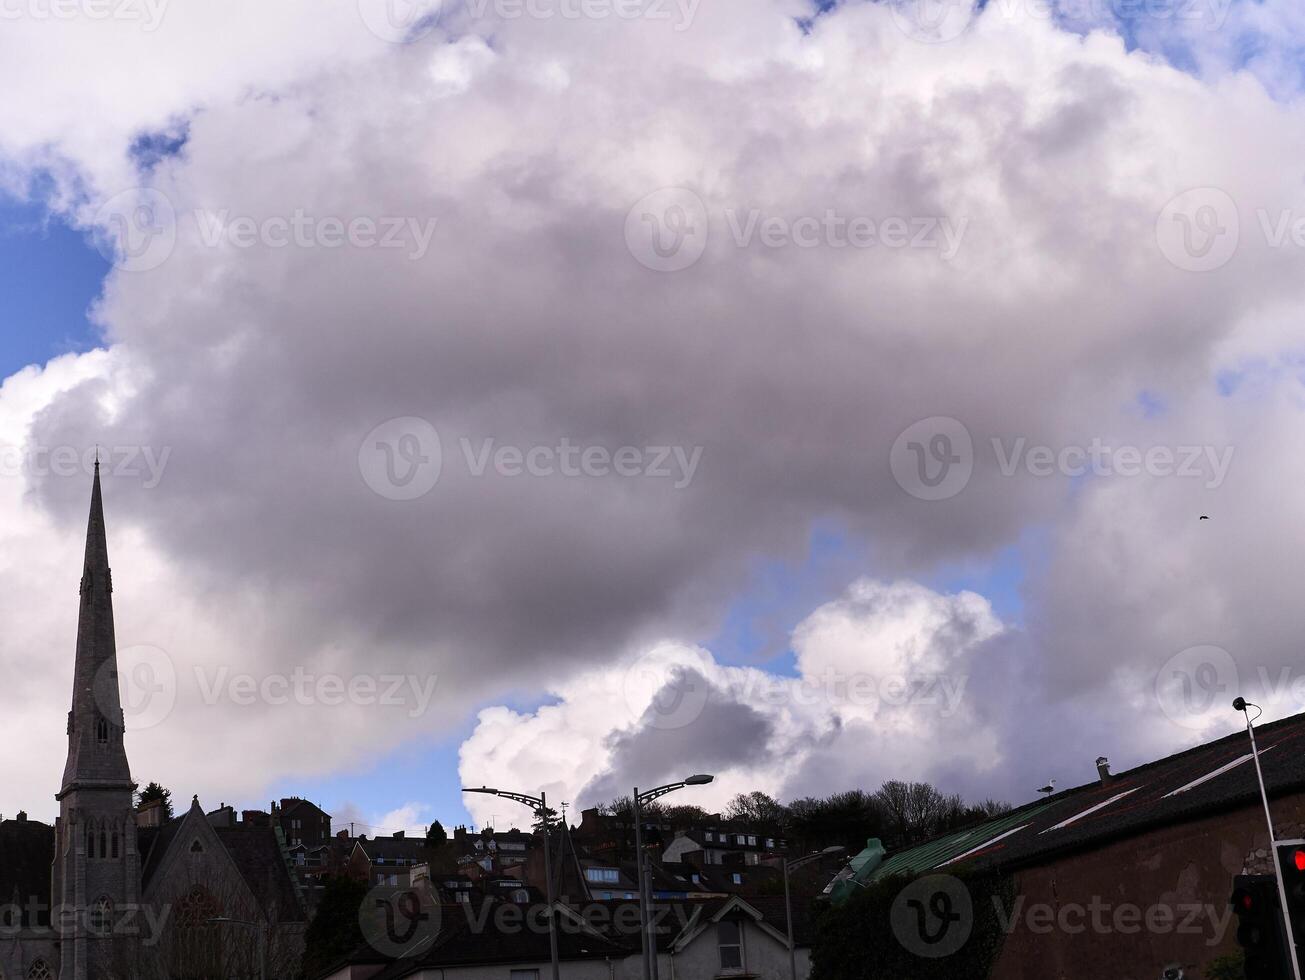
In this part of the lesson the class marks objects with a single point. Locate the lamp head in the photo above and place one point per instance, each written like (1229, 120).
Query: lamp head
(1239, 704)
(698, 780)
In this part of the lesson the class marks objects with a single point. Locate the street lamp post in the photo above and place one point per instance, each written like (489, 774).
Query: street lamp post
(788, 904)
(1241, 704)
(258, 927)
(540, 805)
(646, 934)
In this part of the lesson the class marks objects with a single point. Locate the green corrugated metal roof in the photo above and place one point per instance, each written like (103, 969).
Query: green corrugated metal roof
(930, 855)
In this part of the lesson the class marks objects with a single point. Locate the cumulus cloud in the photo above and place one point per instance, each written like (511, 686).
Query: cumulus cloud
(884, 668)
(529, 321)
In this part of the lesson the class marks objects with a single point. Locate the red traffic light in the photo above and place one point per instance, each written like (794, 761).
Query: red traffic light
(1300, 859)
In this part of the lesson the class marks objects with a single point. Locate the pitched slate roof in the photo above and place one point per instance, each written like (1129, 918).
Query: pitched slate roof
(26, 853)
(1203, 781)
(257, 854)
(464, 940)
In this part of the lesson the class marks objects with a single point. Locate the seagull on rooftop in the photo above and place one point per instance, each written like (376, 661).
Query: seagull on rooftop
(1049, 788)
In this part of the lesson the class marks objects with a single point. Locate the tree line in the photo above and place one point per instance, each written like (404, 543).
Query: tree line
(901, 814)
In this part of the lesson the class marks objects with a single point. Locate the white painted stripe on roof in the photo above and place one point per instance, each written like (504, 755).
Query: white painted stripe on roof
(1211, 775)
(1091, 810)
(972, 850)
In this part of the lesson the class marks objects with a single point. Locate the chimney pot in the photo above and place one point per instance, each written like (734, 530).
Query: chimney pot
(1103, 770)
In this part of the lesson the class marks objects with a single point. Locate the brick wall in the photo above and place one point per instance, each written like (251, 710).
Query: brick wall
(1128, 910)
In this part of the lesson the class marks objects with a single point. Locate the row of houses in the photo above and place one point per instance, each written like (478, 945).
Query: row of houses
(703, 938)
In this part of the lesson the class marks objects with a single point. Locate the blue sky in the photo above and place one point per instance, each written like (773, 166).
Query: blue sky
(48, 279)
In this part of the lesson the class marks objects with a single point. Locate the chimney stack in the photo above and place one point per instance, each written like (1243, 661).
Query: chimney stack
(1103, 770)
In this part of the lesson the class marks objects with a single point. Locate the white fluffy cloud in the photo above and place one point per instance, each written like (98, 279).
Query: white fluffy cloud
(521, 145)
(886, 665)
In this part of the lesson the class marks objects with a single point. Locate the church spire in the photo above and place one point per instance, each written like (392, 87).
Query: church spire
(96, 755)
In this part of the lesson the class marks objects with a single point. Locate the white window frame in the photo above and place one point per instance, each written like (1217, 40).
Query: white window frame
(742, 965)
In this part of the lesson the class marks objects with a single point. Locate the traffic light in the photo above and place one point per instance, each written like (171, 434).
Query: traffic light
(1260, 931)
(1292, 859)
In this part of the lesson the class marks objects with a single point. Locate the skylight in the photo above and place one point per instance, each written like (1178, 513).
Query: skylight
(989, 843)
(1211, 775)
(1091, 810)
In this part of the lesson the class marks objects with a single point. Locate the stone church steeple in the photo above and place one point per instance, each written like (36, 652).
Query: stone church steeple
(97, 756)
(96, 874)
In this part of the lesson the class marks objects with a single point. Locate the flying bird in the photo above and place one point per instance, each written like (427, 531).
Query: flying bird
(1049, 788)
(1205, 517)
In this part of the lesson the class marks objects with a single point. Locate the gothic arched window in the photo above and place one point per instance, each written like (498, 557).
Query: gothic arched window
(104, 844)
(102, 732)
(102, 916)
(40, 971)
(114, 841)
(198, 907)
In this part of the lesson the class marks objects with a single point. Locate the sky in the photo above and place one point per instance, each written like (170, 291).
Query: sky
(811, 395)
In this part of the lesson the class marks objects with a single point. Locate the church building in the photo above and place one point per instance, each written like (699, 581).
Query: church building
(97, 897)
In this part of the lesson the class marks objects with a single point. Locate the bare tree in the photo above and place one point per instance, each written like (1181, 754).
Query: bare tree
(756, 808)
